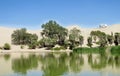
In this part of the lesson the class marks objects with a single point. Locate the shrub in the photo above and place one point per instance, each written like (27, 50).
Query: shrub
(115, 50)
(6, 46)
(58, 48)
(32, 46)
(22, 47)
(89, 50)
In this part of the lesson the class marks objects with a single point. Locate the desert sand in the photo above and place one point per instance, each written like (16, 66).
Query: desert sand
(5, 34)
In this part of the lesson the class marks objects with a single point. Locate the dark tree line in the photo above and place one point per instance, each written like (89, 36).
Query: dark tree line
(52, 34)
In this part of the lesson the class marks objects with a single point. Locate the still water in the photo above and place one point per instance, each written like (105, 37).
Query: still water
(58, 64)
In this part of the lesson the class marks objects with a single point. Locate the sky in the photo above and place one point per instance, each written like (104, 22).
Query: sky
(32, 14)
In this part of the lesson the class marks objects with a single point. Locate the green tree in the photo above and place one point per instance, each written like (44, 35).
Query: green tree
(89, 40)
(6, 46)
(110, 39)
(117, 38)
(21, 37)
(81, 40)
(47, 42)
(32, 41)
(74, 37)
(102, 42)
(18, 36)
(53, 30)
(102, 38)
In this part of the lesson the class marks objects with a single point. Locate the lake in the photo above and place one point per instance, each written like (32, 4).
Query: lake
(58, 64)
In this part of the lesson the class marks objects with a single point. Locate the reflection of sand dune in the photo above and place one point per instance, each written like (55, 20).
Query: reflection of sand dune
(5, 33)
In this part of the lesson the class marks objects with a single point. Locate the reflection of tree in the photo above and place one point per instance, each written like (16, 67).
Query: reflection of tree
(21, 65)
(117, 61)
(90, 59)
(7, 56)
(111, 61)
(53, 66)
(76, 62)
(98, 64)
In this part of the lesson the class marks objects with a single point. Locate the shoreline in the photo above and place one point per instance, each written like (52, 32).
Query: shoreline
(35, 51)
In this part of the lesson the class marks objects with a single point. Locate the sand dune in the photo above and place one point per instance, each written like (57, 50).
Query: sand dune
(5, 33)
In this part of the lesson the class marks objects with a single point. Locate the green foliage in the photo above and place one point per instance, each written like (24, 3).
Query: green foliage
(89, 50)
(97, 33)
(76, 62)
(22, 37)
(110, 39)
(53, 66)
(53, 30)
(32, 45)
(102, 42)
(21, 65)
(19, 36)
(58, 48)
(22, 46)
(81, 40)
(117, 39)
(74, 38)
(101, 36)
(7, 56)
(89, 40)
(74, 34)
(6, 46)
(115, 50)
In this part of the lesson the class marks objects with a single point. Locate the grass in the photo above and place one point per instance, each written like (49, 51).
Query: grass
(115, 50)
(87, 50)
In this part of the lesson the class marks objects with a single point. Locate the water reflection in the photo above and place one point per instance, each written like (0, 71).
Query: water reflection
(21, 65)
(6, 56)
(98, 62)
(59, 64)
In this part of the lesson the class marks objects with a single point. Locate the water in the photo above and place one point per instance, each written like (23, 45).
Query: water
(58, 64)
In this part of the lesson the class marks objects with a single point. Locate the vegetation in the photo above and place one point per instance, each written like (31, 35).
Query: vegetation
(52, 30)
(7, 57)
(101, 36)
(87, 50)
(22, 64)
(53, 34)
(21, 37)
(56, 66)
(89, 42)
(75, 38)
(115, 50)
(22, 46)
(81, 40)
(58, 48)
(6, 46)
(117, 39)
(110, 39)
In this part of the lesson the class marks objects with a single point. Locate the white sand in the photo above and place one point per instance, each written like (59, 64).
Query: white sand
(5, 33)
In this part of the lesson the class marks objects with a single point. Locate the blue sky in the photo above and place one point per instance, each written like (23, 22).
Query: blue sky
(32, 13)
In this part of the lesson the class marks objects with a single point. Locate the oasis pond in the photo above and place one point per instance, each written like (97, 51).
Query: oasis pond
(59, 64)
